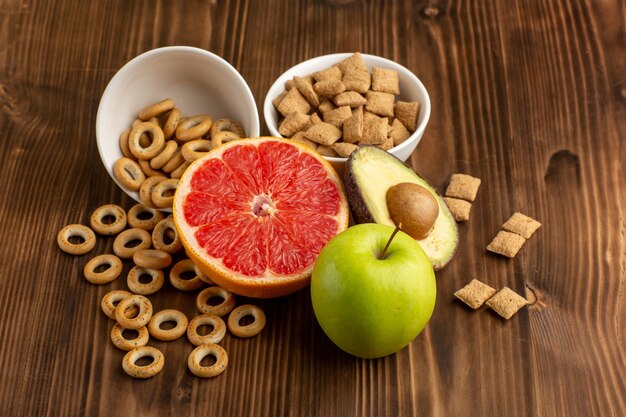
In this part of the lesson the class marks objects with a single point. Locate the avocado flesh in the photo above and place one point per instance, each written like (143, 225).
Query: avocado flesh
(370, 172)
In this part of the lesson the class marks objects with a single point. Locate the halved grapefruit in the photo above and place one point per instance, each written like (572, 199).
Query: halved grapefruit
(254, 214)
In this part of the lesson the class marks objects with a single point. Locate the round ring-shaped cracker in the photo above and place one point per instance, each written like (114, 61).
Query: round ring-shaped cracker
(138, 121)
(186, 265)
(137, 371)
(110, 299)
(178, 172)
(166, 228)
(144, 139)
(163, 316)
(193, 127)
(157, 109)
(113, 210)
(124, 144)
(128, 173)
(251, 329)
(149, 223)
(199, 353)
(203, 277)
(171, 123)
(158, 193)
(143, 316)
(220, 309)
(223, 137)
(145, 190)
(176, 161)
(230, 125)
(165, 155)
(156, 144)
(120, 342)
(76, 230)
(127, 236)
(152, 258)
(108, 275)
(144, 164)
(154, 120)
(215, 336)
(135, 285)
(195, 149)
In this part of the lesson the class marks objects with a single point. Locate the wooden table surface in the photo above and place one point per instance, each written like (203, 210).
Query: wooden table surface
(530, 96)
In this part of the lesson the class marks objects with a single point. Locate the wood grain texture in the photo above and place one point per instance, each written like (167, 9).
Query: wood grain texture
(530, 96)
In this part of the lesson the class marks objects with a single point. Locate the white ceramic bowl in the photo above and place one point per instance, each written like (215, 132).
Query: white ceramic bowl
(199, 81)
(411, 89)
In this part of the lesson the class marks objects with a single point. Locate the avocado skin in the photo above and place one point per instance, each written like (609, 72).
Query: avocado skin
(361, 213)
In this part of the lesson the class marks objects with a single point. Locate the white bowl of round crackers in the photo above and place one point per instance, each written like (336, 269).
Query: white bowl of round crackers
(199, 82)
(405, 115)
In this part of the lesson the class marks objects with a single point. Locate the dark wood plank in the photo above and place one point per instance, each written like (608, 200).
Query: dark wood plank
(529, 96)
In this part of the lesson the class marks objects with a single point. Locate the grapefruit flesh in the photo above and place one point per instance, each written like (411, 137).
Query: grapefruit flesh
(254, 214)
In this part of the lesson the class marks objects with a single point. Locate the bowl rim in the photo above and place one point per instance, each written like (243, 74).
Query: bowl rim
(157, 51)
(268, 107)
(225, 65)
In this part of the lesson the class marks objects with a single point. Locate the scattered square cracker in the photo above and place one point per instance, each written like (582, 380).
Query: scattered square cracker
(522, 225)
(460, 209)
(305, 87)
(463, 186)
(398, 132)
(299, 137)
(329, 87)
(326, 151)
(344, 149)
(506, 244)
(374, 130)
(333, 73)
(355, 61)
(353, 127)
(294, 101)
(326, 104)
(380, 103)
(475, 293)
(408, 112)
(336, 117)
(385, 80)
(293, 123)
(323, 133)
(289, 84)
(349, 98)
(506, 302)
(357, 80)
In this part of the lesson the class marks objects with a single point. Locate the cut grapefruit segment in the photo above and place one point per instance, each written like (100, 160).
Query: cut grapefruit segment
(254, 214)
(244, 161)
(210, 208)
(216, 179)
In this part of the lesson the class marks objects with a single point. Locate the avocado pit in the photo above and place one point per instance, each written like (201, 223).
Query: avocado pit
(413, 208)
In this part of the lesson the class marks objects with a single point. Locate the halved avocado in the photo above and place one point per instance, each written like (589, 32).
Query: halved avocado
(369, 173)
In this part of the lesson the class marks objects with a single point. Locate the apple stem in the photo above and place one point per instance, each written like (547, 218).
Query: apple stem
(396, 230)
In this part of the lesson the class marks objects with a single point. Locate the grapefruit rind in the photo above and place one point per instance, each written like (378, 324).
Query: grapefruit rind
(269, 284)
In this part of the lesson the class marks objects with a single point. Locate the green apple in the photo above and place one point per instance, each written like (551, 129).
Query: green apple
(369, 305)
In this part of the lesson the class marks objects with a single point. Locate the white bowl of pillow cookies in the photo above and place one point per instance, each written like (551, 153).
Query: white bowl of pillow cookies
(335, 103)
